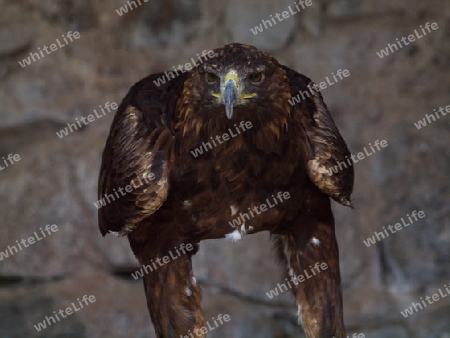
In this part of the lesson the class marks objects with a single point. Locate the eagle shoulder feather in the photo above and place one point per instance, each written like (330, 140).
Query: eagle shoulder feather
(327, 147)
(137, 155)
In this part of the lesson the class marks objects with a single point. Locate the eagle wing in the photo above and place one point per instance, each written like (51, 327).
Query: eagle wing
(327, 149)
(136, 159)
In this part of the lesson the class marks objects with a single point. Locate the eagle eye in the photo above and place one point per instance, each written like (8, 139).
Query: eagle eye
(255, 77)
(211, 77)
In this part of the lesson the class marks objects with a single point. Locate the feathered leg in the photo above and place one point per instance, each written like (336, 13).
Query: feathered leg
(310, 254)
(173, 296)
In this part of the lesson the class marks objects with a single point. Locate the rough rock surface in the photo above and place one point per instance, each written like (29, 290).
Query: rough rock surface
(55, 180)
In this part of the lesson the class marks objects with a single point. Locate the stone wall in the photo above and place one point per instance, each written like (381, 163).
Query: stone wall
(54, 182)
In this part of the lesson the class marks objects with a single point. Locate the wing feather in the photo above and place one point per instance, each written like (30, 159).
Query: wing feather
(329, 166)
(136, 160)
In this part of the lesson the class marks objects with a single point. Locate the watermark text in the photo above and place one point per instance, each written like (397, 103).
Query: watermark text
(265, 24)
(378, 236)
(415, 307)
(280, 198)
(9, 160)
(71, 127)
(25, 243)
(153, 266)
(64, 313)
(34, 56)
(243, 126)
(304, 94)
(184, 68)
(429, 118)
(200, 332)
(281, 287)
(404, 41)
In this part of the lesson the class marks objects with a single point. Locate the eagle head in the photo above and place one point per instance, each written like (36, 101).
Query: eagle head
(240, 82)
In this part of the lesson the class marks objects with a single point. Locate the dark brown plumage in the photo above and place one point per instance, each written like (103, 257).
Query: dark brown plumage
(191, 198)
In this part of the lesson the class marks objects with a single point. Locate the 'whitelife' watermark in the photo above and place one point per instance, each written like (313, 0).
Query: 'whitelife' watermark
(398, 226)
(432, 118)
(162, 261)
(184, 68)
(303, 94)
(243, 126)
(130, 6)
(341, 165)
(52, 319)
(110, 107)
(318, 268)
(109, 198)
(34, 56)
(280, 16)
(25, 243)
(243, 217)
(415, 307)
(200, 332)
(10, 160)
(404, 41)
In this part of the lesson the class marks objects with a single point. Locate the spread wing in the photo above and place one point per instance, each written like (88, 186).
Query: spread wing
(134, 175)
(329, 166)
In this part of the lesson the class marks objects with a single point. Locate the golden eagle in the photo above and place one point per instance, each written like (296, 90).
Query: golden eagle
(186, 181)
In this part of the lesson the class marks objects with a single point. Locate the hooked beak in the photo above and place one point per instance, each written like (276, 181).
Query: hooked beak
(231, 92)
(230, 96)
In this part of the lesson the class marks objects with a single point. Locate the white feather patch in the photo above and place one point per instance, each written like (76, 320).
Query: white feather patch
(234, 236)
(315, 241)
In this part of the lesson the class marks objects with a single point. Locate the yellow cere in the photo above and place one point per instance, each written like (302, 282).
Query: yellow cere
(232, 75)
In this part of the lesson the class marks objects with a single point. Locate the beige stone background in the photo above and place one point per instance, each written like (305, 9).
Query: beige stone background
(55, 180)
